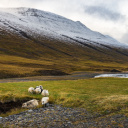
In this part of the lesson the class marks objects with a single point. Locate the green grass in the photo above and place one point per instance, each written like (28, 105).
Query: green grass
(103, 95)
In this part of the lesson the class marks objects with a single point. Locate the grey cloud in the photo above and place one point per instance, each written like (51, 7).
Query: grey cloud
(104, 13)
(124, 38)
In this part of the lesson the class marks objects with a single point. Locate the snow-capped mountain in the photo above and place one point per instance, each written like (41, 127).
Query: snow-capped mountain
(36, 23)
(35, 42)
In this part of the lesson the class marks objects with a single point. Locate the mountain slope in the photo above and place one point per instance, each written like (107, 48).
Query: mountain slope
(34, 42)
(52, 25)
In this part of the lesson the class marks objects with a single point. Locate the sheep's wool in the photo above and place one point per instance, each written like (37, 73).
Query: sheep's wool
(31, 90)
(45, 92)
(37, 90)
(44, 100)
(30, 104)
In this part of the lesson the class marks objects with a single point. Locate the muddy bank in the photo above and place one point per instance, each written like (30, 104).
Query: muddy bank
(73, 76)
(7, 106)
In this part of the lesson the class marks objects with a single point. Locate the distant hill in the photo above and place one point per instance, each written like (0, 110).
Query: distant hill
(35, 42)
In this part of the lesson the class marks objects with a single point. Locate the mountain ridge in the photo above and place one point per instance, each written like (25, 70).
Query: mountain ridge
(54, 25)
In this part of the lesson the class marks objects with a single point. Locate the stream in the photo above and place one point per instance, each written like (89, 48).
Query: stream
(112, 75)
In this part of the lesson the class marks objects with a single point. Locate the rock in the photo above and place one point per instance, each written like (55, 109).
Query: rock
(30, 110)
(19, 118)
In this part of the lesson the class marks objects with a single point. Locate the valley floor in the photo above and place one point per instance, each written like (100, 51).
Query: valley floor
(73, 76)
(85, 103)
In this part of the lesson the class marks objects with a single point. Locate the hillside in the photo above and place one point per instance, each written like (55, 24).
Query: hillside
(34, 42)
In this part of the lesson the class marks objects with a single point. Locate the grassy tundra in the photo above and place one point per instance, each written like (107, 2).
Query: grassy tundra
(104, 95)
(22, 57)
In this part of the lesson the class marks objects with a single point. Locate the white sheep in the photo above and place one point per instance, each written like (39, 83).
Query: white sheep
(31, 90)
(45, 101)
(37, 90)
(41, 87)
(30, 104)
(45, 92)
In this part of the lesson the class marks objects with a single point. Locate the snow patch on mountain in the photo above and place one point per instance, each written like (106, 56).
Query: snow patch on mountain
(37, 22)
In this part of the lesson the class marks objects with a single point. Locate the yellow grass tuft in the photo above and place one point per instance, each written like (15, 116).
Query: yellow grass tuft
(113, 102)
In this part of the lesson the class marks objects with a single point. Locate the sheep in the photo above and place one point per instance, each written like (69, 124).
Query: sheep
(31, 90)
(30, 104)
(41, 87)
(36, 87)
(45, 92)
(37, 90)
(45, 101)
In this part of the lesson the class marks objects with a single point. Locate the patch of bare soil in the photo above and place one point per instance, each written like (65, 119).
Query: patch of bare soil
(7, 106)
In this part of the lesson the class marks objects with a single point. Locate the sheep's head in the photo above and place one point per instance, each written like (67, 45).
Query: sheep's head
(24, 105)
(40, 86)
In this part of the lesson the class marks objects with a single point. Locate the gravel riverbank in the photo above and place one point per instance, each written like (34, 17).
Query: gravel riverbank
(62, 117)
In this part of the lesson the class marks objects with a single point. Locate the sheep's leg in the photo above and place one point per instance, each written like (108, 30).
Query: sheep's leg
(47, 104)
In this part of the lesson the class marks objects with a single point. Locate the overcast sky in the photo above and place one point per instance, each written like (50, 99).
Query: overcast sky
(109, 17)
